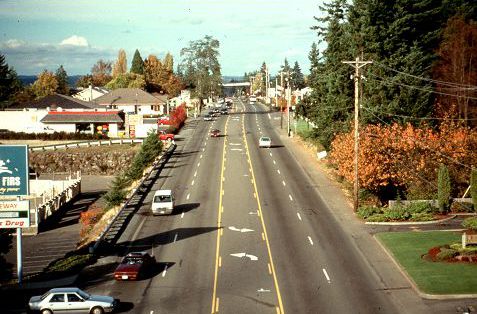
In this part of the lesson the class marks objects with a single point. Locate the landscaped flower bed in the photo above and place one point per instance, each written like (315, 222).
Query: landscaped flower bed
(452, 253)
(421, 211)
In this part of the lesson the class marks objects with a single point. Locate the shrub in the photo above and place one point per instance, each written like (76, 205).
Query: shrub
(470, 223)
(461, 207)
(446, 254)
(444, 188)
(420, 207)
(89, 218)
(365, 212)
(423, 216)
(377, 218)
(397, 213)
(115, 197)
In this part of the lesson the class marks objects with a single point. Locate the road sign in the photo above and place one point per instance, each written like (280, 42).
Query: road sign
(14, 214)
(13, 170)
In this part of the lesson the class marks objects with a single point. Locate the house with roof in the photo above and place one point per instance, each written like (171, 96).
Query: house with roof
(133, 101)
(90, 93)
(61, 113)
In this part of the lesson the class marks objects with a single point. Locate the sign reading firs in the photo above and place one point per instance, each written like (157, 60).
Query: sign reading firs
(13, 170)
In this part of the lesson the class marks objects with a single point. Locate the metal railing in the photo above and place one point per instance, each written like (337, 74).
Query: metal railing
(86, 144)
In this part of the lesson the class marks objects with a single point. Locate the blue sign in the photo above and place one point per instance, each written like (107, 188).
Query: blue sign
(14, 170)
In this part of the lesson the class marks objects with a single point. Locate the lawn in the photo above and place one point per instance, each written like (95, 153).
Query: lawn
(431, 277)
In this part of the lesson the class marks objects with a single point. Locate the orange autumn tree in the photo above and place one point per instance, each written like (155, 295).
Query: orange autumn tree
(405, 156)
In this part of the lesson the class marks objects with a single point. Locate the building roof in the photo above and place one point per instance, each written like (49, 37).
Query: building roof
(82, 117)
(56, 101)
(128, 96)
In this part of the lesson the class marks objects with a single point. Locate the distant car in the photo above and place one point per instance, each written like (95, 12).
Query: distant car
(71, 300)
(215, 133)
(162, 202)
(224, 111)
(208, 117)
(265, 141)
(134, 266)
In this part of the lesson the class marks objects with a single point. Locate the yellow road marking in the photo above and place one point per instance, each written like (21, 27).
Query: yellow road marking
(215, 300)
(272, 267)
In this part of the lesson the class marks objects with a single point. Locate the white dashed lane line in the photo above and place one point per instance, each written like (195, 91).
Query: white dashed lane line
(175, 237)
(195, 174)
(299, 216)
(290, 197)
(188, 195)
(326, 275)
(284, 184)
(309, 239)
(193, 181)
(182, 215)
(278, 170)
(274, 162)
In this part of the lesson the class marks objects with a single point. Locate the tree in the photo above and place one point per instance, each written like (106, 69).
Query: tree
(137, 65)
(121, 65)
(9, 82)
(473, 187)
(457, 67)
(62, 78)
(168, 63)
(127, 80)
(46, 84)
(6, 239)
(298, 80)
(101, 73)
(201, 68)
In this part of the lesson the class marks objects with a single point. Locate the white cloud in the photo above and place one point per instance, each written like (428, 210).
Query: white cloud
(75, 41)
(13, 43)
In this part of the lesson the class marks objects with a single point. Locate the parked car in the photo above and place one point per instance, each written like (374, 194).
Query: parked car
(164, 136)
(215, 133)
(134, 265)
(224, 111)
(71, 300)
(265, 141)
(162, 202)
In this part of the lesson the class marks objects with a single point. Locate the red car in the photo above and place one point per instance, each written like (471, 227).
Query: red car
(164, 136)
(134, 266)
(215, 133)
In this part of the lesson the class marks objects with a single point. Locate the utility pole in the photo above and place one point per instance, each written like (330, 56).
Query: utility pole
(357, 64)
(281, 109)
(288, 103)
(276, 89)
(266, 84)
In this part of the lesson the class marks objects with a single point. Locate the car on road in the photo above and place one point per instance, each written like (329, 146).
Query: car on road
(208, 117)
(215, 133)
(162, 202)
(224, 111)
(71, 300)
(265, 141)
(135, 265)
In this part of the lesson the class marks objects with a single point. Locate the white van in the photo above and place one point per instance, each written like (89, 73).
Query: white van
(252, 99)
(162, 203)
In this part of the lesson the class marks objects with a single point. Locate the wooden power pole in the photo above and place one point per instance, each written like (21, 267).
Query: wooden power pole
(357, 64)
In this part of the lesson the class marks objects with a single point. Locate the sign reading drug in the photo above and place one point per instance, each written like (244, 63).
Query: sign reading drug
(13, 170)
(14, 214)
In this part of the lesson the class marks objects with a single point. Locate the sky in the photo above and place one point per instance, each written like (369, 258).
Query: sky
(37, 35)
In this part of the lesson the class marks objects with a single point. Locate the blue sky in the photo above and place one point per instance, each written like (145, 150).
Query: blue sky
(37, 35)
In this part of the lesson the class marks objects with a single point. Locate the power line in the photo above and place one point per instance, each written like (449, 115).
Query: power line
(426, 79)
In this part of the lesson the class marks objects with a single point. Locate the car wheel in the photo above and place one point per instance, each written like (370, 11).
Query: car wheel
(97, 310)
(46, 311)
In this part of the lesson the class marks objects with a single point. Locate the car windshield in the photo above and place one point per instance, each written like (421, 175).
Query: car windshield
(84, 295)
(162, 199)
(132, 260)
(266, 139)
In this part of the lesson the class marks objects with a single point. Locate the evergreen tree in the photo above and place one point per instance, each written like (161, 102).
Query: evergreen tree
(9, 82)
(137, 65)
(298, 80)
(62, 78)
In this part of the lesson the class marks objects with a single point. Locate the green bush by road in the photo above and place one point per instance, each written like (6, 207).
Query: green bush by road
(430, 277)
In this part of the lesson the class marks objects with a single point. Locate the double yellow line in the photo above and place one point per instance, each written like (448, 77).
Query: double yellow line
(215, 300)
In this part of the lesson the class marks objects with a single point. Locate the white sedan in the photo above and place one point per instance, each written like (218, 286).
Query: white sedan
(265, 141)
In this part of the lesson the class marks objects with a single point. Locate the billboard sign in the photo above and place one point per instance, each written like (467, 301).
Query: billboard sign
(13, 170)
(14, 214)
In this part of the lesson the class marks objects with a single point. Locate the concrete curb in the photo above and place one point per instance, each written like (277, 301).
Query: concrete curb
(413, 283)
(407, 223)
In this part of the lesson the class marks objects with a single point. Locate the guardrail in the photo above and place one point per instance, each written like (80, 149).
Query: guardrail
(86, 144)
(157, 164)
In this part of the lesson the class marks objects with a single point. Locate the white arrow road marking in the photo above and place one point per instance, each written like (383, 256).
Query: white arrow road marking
(245, 175)
(263, 290)
(242, 255)
(299, 216)
(326, 275)
(240, 230)
(239, 149)
(277, 118)
(235, 144)
(309, 239)
(253, 213)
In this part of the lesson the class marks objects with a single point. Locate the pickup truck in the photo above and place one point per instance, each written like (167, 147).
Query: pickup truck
(163, 136)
